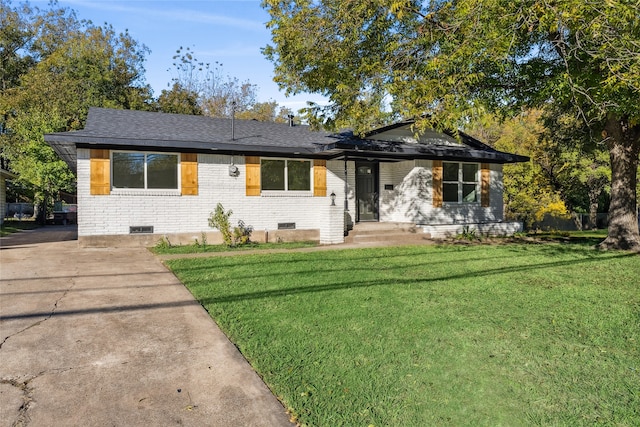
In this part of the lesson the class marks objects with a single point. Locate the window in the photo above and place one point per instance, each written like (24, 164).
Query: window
(460, 182)
(145, 170)
(285, 175)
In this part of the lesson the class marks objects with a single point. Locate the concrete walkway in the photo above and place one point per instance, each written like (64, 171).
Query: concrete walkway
(109, 337)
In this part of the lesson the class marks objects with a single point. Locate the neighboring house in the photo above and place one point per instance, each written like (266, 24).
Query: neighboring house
(147, 175)
(4, 176)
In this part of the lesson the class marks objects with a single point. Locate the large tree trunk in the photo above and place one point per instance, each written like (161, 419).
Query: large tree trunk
(624, 148)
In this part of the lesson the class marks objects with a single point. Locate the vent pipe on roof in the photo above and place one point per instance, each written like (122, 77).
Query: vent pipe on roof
(290, 116)
(233, 120)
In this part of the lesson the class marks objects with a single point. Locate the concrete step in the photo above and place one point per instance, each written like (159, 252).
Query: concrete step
(387, 233)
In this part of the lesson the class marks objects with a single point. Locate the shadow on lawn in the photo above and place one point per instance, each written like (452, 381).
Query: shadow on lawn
(415, 261)
(416, 256)
(586, 241)
(396, 281)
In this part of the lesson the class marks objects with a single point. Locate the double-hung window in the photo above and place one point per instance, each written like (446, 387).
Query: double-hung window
(285, 175)
(460, 182)
(139, 170)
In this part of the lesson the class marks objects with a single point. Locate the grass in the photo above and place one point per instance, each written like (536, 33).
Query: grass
(479, 335)
(11, 226)
(164, 249)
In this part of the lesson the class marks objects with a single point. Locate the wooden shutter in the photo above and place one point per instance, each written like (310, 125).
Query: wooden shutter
(100, 171)
(320, 178)
(485, 187)
(189, 174)
(252, 165)
(437, 183)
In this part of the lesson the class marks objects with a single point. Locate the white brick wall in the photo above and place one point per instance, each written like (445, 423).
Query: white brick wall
(169, 212)
(172, 213)
(335, 183)
(411, 197)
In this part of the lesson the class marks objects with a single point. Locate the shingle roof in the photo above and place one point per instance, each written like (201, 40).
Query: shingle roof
(142, 130)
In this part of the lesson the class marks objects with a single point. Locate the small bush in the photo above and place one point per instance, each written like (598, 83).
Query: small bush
(240, 235)
(220, 219)
(202, 244)
(469, 234)
(164, 243)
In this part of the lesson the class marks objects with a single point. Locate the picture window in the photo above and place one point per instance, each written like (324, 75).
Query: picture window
(137, 170)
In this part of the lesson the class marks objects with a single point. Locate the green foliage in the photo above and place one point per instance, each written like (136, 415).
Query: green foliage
(37, 166)
(238, 236)
(242, 233)
(531, 189)
(220, 219)
(469, 234)
(447, 63)
(163, 245)
(462, 335)
(179, 100)
(10, 226)
(265, 112)
(54, 67)
(178, 250)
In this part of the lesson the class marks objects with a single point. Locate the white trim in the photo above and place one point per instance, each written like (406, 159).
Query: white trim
(286, 192)
(460, 182)
(146, 191)
(280, 193)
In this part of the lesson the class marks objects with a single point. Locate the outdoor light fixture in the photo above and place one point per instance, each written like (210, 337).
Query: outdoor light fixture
(333, 198)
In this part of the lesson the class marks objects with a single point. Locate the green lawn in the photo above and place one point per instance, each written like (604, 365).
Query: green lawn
(12, 226)
(455, 335)
(165, 249)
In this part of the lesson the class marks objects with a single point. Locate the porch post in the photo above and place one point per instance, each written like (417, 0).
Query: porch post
(346, 186)
(332, 229)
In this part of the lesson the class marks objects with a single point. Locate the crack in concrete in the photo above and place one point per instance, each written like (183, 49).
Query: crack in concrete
(27, 391)
(22, 418)
(53, 311)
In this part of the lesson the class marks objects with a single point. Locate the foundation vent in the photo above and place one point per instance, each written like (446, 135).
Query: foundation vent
(141, 229)
(286, 226)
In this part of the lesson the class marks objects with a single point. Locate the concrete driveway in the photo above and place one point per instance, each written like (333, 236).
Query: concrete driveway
(109, 337)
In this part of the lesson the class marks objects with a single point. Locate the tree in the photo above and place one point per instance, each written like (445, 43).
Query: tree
(54, 68)
(579, 165)
(446, 62)
(565, 173)
(217, 95)
(179, 100)
(529, 191)
(40, 168)
(225, 98)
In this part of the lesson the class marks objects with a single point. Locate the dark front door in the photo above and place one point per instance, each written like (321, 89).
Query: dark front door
(367, 191)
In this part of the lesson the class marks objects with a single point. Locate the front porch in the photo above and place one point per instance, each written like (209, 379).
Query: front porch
(392, 233)
(403, 233)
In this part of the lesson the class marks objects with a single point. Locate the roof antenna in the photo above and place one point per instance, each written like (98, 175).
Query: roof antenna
(233, 120)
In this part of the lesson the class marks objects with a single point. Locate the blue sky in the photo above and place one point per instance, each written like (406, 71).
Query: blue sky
(231, 32)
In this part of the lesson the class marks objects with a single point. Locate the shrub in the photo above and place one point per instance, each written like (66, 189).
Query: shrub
(163, 243)
(240, 235)
(469, 234)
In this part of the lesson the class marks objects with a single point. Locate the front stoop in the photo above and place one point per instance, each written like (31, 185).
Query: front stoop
(387, 233)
